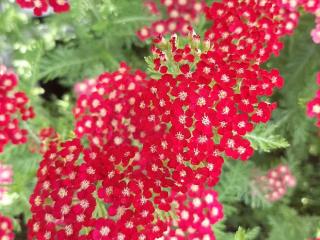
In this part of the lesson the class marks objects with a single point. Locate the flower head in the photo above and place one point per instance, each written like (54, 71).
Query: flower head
(13, 110)
(41, 6)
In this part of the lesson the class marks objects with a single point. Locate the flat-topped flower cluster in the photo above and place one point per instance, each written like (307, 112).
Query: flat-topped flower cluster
(13, 110)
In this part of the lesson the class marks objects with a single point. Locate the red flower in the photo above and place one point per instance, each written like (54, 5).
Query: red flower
(179, 16)
(59, 6)
(6, 228)
(41, 6)
(12, 107)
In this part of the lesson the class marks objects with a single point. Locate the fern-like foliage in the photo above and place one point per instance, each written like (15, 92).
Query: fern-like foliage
(287, 224)
(24, 172)
(242, 234)
(102, 30)
(237, 185)
(264, 138)
(67, 63)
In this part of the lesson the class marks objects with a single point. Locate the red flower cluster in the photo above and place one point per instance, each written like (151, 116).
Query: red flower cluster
(181, 14)
(104, 113)
(136, 185)
(313, 106)
(13, 109)
(249, 31)
(6, 228)
(41, 6)
(198, 211)
(275, 183)
(75, 184)
(209, 102)
(311, 6)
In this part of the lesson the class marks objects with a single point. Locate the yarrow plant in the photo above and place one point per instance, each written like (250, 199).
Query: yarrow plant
(141, 143)
(6, 228)
(275, 183)
(40, 7)
(13, 110)
(180, 16)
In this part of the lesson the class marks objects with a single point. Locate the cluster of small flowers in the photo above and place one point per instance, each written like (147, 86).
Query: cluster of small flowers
(311, 6)
(85, 87)
(12, 109)
(135, 184)
(313, 106)
(198, 211)
(75, 183)
(276, 182)
(249, 31)
(6, 228)
(181, 14)
(103, 113)
(6, 174)
(210, 102)
(42, 6)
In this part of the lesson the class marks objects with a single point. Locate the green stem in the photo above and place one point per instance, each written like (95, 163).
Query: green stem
(31, 133)
(134, 19)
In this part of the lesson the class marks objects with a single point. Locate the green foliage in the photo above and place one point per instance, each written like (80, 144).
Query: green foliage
(25, 164)
(264, 139)
(109, 26)
(298, 64)
(242, 234)
(68, 63)
(237, 185)
(287, 224)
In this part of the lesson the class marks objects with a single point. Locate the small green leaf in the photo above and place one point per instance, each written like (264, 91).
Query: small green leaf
(240, 234)
(263, 139)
